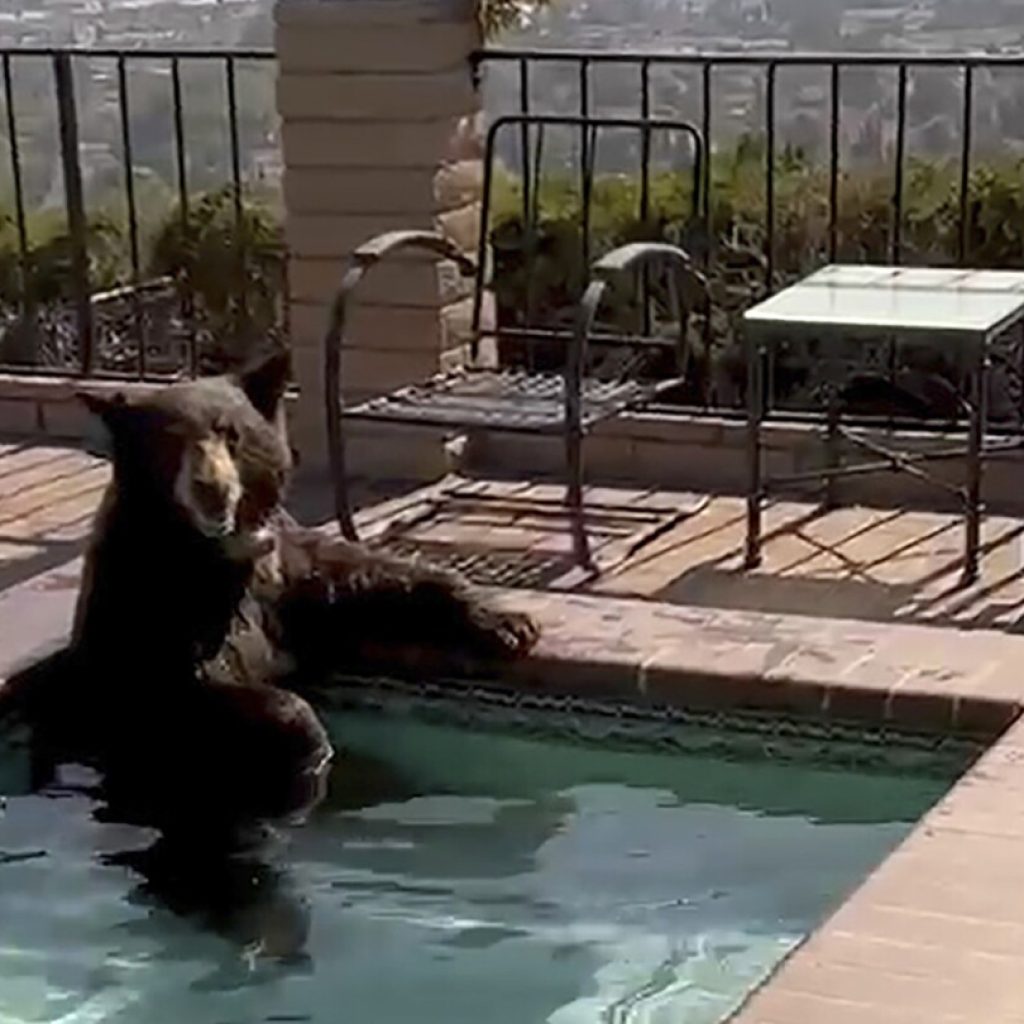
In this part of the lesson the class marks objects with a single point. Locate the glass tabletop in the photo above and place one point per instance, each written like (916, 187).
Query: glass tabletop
(897, 299)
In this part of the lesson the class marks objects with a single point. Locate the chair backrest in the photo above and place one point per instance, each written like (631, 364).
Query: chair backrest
(559, 192)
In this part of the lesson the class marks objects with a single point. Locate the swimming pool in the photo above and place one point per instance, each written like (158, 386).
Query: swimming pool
(454, 875)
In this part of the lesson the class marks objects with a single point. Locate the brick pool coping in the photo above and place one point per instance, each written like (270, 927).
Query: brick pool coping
(910, 676)
(934, 935)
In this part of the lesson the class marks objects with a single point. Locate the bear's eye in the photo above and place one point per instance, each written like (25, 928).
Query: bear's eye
(229, 432)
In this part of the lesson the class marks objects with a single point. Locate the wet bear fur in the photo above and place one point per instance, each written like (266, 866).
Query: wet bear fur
(201, 597)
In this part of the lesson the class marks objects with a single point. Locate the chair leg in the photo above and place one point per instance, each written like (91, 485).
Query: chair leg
(574, 500)
(833, 454)
(339, 473)
(752, 556)
(975, 462)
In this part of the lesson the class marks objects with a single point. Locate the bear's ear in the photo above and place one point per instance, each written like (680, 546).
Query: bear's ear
(119, 419)
(265, 381)
(110, 410)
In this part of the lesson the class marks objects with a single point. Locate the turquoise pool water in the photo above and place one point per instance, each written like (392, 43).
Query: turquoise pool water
(452, 875)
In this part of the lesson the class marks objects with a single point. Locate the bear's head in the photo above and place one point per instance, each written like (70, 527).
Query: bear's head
(213, 451)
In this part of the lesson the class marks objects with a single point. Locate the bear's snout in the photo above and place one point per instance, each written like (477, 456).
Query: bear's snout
(209, 487)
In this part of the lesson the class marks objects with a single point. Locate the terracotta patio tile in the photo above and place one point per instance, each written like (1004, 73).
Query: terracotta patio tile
(775, 1006)
(60, 513)
(873, 672)
(1002, 763)
(987, 823)
(553, 492)
(511, 488)
(17, 552)
(714, 654)
(878, 953)
(967, 891)
(83, 480)
(982, 800)
(996, 777)
(917, 891)
(819, 663)
(1004, 680)
(861, 916)
(983, 805)
(723, 673)
(45, 473)
(942, 653)
(927, 994)
(631, 497)
(1012, 739)
(72, 529)
(957, 857)
(17, 458)
(480, 535)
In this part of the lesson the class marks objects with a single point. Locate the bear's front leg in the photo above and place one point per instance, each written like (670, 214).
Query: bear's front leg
(345, 606)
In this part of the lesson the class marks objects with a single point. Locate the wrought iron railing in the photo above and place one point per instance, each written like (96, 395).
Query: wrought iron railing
(76, 328)
(529, 85)
(586, 63)
(74, 321)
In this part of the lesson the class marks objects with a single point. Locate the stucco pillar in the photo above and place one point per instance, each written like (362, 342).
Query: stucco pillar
(380, 127)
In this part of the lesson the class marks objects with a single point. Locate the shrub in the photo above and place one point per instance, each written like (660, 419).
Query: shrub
(230, 264)
(931, 233)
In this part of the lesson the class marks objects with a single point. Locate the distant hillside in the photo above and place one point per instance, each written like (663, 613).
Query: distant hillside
(683, 26)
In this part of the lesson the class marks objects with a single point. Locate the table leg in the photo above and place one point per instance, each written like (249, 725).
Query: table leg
(752, 557)
(832, 447)
(975, 443)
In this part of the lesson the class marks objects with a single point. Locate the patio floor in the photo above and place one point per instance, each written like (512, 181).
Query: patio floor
(48, 496)
(883, 565)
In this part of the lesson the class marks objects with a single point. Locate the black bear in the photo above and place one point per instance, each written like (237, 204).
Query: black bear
(201, 598)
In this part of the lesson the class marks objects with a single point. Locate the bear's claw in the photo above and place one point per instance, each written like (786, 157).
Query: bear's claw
(510, 634)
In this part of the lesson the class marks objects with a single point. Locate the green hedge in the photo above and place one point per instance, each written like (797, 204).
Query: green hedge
(232, 267)
(221, 262)
(931, 233)
(930, 222)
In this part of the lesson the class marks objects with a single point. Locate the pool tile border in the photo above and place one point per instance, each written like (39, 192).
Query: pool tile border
(915, 677)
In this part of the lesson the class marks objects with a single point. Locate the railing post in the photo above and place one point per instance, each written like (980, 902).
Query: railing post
(67, 114)
(379, 124)
(16, 181)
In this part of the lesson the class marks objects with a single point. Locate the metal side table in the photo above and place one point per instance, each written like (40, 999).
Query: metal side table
(965, 310)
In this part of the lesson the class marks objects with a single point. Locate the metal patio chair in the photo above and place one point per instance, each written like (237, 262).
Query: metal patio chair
(568, 402)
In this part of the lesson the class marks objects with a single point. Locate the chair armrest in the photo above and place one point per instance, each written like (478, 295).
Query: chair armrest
(627, 257)
(378, 248)
(631, 257)
(639, 254)
(364, 259)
